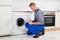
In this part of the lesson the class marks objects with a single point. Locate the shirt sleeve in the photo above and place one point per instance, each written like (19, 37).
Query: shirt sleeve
(40, 16)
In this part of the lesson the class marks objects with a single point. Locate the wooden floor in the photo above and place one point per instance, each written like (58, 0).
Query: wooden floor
(52, 29)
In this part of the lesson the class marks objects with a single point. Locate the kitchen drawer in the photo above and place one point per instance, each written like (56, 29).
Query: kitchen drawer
(5, 20)
(5, 2)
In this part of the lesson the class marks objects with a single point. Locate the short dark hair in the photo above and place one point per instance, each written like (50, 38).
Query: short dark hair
(32, 3)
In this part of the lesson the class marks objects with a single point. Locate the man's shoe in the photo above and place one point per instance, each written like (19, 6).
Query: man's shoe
(37, 35)
(43, 32)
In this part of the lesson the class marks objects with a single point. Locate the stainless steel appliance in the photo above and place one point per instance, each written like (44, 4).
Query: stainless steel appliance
(49, 18)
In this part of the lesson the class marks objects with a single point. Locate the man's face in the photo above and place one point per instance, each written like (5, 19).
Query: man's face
(33, 7)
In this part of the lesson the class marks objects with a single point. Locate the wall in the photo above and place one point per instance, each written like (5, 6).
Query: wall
(22, 5)
(5, 2)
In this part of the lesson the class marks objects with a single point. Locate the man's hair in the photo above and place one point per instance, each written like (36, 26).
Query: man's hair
(32, 3)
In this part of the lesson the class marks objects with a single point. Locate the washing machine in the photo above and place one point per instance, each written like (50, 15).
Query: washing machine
(19, 20)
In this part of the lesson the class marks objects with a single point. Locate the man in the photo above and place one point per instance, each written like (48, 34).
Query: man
(37, 26)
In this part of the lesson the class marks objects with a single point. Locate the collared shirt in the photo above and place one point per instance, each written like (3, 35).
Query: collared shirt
(39, 17)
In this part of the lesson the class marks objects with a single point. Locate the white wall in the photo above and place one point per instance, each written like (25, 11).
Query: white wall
(22, 5)
(5, 2)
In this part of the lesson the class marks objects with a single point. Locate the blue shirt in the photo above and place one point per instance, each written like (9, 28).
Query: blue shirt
(39, 17)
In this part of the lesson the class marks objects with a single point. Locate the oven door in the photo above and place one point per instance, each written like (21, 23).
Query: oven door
(49, 20)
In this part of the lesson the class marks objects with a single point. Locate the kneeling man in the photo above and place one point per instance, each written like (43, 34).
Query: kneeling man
(37, 26)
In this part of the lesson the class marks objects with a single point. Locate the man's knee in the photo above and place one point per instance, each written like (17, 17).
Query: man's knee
(27, 25)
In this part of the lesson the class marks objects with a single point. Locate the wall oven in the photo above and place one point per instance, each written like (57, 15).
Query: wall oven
(49, 20)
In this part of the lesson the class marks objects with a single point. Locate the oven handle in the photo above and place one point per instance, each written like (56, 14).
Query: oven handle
(49, 16)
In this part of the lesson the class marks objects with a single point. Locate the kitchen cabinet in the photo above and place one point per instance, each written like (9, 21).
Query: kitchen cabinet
(5, 2)
(57, 19)
(5, 20)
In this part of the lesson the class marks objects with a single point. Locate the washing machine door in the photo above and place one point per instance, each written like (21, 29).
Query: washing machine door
(20, 22)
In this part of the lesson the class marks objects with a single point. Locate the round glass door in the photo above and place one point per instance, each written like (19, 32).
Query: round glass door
(20, 21)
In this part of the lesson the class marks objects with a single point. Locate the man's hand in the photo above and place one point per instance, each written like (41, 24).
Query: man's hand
(30, 22)
(36, 23)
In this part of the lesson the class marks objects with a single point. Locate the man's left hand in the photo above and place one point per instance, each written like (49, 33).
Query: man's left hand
(31, 22)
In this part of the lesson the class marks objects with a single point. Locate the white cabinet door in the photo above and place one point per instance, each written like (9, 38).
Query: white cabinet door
(5, 20)
(5, 2)
(57, 22)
